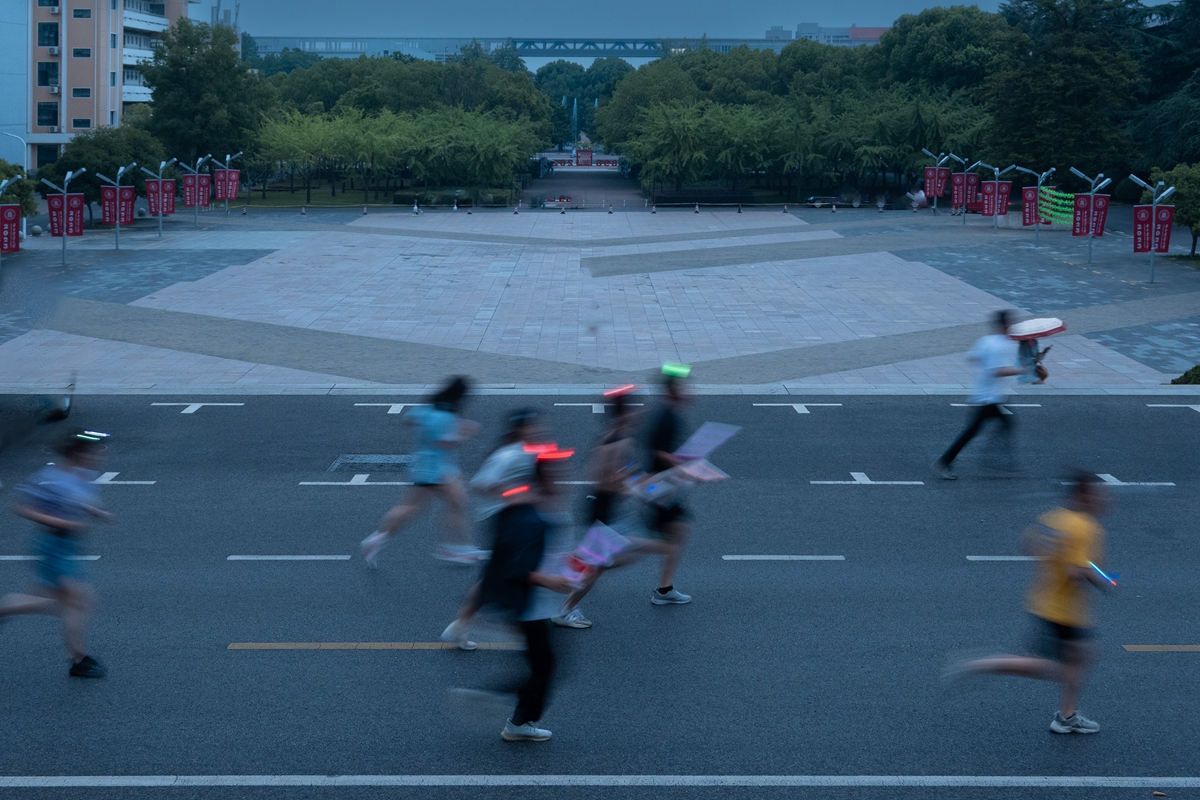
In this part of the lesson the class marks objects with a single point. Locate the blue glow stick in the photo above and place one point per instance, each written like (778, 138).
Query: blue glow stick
(1102, 574)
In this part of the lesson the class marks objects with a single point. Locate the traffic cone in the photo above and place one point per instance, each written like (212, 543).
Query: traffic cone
(243, 211)
(739, 208)
(835, 208)
(564, 210)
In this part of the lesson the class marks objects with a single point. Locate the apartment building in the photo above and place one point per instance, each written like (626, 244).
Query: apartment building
(78, 70)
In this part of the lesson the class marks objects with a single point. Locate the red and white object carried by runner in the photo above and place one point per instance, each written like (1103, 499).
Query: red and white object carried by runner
(1036, 328)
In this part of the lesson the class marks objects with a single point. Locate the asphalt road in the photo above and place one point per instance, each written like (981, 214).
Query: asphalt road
(776, 668)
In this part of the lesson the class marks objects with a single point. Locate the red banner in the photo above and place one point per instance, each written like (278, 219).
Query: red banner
(10, 228)
(1142, 227)
(1083, 207)
(218, 184)
(75, 215)
(1162, 229)
(931, 181)
(128, 198)
(943, 177)
(152, 189)
(189, 191)
(972, 187)
(989, 198)
(1005, 195)
(55, 204)
(205, 189)
(225, 184)
(1099, 214)
(1029, 206)
(168, 196)
(958, 190)
(108, 205)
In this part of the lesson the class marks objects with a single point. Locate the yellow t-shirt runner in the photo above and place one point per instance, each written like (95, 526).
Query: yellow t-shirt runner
(1077, 540)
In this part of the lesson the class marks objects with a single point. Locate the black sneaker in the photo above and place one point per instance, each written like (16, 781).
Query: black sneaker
(87, 667)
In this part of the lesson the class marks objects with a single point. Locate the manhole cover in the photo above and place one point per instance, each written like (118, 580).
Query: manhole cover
(379, 462)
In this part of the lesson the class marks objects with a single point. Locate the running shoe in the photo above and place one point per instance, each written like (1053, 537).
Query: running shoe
(1076, 723)
(528, 732)
(462, 554)
(572, 619)
(457, 633)
(943, 471)
(88, 667)
(371, 547)
(673, 597)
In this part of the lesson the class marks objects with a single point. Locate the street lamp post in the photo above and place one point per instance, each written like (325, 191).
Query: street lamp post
(229, 158)
(196, 172)
(162, 165)
(1037, 217)
(4, 184)
(938, 160)
(117, 184)
(1155, 198)
(1096, 184)
(24, 165)
(63, 191)
(999, 172)
(962, 161)
(966, 183)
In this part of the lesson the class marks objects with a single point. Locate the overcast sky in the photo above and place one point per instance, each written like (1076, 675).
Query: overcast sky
(634, 18)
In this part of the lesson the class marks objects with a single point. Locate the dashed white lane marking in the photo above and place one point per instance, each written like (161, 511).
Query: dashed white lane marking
(393, 408)
(651, 781)
(861, 479)
(801, 408)
(107, 479)
(288, 558)
(597, 408)
(783, 558)
(1165, 405)
(1109, 480)
(357, 480)
(1003, 558)
(577, 483)
(192, 408)
(1004, 407)
(39, 558)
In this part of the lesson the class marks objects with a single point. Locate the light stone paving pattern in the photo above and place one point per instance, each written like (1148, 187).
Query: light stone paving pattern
(534, 300)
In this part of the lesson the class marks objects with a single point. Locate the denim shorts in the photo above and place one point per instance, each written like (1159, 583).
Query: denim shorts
(56, 559)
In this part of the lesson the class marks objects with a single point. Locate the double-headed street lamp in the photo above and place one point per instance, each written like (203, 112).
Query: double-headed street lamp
(996, 210)
(1095, 183)
(938, 160)
(162, 165)
(1156, 197)
(63, 191)
(24, 165)
(196, 172)
(117, 185)
(1037, 218)
(229, 158)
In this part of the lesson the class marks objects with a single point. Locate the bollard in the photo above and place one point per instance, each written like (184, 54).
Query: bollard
(697, 211)
(303, 212)
(653, 209)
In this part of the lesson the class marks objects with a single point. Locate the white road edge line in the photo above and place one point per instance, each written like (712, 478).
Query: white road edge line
(39, 558)
(288, 558)
(985, 781)
(783, 558)
(1004, 558)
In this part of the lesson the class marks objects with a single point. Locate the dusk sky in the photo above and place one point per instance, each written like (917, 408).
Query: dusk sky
(662, 18)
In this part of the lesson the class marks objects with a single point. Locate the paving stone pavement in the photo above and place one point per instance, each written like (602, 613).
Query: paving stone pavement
(538, 294)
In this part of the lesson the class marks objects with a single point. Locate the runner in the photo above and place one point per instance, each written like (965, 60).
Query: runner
(1070, 545)
(61, 500)
(994, 358)
(441, 431)
(669, 524)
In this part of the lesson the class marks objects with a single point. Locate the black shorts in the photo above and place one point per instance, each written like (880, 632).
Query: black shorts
(1058, 642)
(604, 507)
(666, 515)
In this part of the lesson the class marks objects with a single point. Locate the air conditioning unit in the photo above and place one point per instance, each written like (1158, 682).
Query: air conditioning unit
(53, 9)
(52, 51)
(53, 90)
(54, 129)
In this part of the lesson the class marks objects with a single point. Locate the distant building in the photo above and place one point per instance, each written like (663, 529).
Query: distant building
(68, 66)
(779, 32)
(854, 36)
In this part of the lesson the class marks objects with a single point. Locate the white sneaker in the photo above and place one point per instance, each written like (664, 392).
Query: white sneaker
(457, 633)
(371, 547)
(572, 619)
(462, 554)
(673, 597)
(1076, 723)
(529, 732)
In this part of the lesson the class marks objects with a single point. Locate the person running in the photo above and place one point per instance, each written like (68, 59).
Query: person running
(61, 500)
(995, 358)
(441, 431)
(522, 562)
(1069, 543)
(669, 524)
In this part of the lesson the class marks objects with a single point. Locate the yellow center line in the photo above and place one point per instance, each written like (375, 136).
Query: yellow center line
(1162, 648)
(368, 646)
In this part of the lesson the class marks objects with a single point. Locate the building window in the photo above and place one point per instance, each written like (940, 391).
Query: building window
(84, 92)
(112, 40)
(112, 115)
(112, 79)
(47, 73)
(47, 114)
(81, 123)
(45, 3)
(82, 13)
(113, 5)
(46, 154)
(47, 34)
(81, 52)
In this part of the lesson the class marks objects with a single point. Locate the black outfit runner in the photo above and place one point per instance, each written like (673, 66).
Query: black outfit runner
(981, 415)
(665, 436)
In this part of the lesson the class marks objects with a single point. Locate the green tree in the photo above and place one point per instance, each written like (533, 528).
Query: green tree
(19, 192)
(205, 99)
(671, 148)
(620, 122)
(250, 51)
(948, 48)
(505, 57)
(287, 60)
(103, 151)
(1186, 180)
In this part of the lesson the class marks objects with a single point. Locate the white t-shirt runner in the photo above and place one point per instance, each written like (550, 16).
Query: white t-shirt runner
(989, 354)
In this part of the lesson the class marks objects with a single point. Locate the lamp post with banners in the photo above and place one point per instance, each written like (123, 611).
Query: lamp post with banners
(999, 172)
(199, 163)
(1156, 197)
(966, 184)
(938, 160)
(1037, 218)
(117, 185)
(962, 161)
(162, 165)
(63, 191)
(229, 158)
(24, 166)
(4, 184)
(1095, 184)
